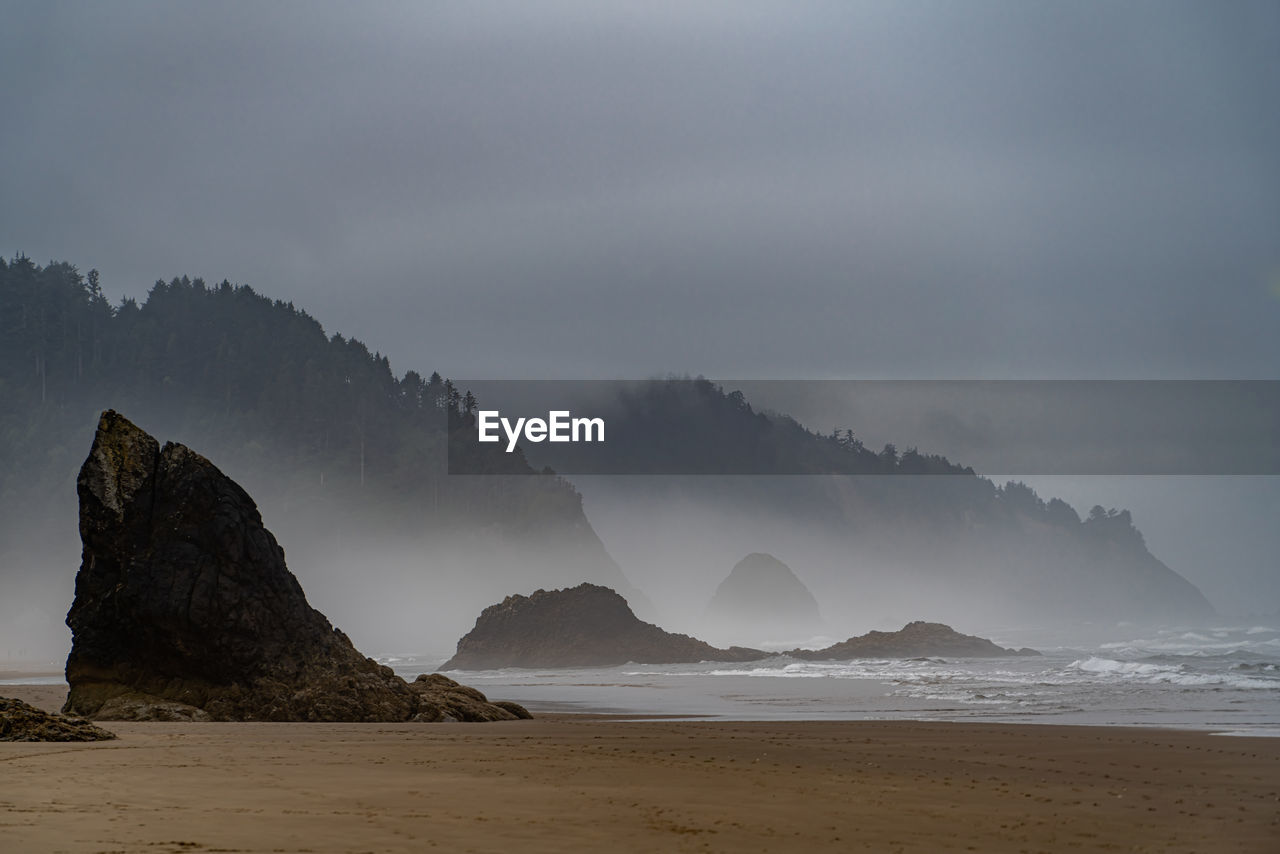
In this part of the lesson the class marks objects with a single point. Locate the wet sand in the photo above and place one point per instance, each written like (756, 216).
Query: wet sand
(590, 783)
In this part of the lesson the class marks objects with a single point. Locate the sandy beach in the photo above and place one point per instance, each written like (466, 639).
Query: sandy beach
(590, 783)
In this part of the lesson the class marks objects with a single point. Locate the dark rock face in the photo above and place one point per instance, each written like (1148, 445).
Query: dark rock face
(185, 610)
(915, 640)
(22, 722)
(763, 593)
(583, 626)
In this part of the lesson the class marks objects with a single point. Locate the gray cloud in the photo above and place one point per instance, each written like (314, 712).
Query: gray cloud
(1031, 191)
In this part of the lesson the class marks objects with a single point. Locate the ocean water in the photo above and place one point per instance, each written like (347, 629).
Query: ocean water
(1225, 679)
(1220, 678)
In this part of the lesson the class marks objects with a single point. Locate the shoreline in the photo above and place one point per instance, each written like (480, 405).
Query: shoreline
(593, 782)
(50, 697)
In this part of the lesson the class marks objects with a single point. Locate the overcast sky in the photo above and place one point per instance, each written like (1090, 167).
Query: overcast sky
(930, 190)
(607, 189)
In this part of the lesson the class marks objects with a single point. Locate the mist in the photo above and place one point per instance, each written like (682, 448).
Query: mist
(392, 590)
(680, 536)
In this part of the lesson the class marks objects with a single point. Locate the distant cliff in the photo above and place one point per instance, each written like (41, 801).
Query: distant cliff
(584, 626)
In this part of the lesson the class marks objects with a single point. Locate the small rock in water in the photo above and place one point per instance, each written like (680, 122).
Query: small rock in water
(583, 626)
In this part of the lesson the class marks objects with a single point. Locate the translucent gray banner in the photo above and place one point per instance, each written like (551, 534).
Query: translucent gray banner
(790, 427)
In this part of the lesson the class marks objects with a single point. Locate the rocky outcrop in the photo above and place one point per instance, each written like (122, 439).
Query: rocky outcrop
(185, 610)
(763, 594)
(583, 626)
(914, 640)
(442, 699)
(22, 722)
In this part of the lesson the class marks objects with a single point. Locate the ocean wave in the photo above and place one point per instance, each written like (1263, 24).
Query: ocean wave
(1259, 666)
(871, 668)
(1197, 644)
(956, 694)
(802, 671)
(1173, 674)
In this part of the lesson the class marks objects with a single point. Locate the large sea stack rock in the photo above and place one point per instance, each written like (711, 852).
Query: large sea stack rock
(583, 626)
(185, 609)
(762, 595)
(914, 640)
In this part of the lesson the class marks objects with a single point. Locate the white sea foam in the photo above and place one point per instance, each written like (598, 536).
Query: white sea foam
(1093, 664)
(913, 673)
(790, 670)
(1204, 643)
(1175, 674)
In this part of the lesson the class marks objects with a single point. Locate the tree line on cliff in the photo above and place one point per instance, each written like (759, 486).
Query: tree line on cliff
(260, 375)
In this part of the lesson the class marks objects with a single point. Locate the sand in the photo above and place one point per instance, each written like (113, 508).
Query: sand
(589, 783)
